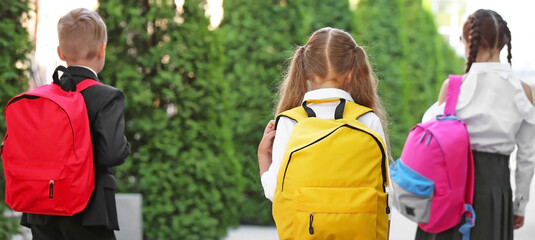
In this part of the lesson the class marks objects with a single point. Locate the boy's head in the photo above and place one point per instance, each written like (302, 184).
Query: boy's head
(82, 38)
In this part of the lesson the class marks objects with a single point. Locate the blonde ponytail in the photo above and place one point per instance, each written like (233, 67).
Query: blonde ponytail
(362, 86)
(294, 86)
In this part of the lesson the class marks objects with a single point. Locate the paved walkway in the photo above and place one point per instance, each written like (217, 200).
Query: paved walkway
(401, 227)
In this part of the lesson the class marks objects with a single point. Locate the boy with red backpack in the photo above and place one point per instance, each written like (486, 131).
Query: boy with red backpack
(100, 143)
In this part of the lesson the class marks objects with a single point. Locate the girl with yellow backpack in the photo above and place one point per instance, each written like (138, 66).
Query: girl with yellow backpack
(323, 160)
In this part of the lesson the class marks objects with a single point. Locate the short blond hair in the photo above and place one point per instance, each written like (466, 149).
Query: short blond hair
(80, 33)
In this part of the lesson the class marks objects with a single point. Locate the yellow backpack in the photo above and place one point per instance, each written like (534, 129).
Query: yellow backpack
(332, 180)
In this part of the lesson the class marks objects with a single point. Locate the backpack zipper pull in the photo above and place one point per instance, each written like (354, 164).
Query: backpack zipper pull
(51, 189)
(387, 207)
(310, 228)
(2, 146)
(387, 191)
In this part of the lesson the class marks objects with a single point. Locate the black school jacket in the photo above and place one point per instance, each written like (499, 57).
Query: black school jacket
(105, 107)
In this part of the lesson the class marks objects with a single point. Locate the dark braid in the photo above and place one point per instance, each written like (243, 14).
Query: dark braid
(473, 40)
(504, 35)
(508, 35)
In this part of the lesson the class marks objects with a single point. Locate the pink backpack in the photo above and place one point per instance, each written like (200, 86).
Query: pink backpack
(433, 180)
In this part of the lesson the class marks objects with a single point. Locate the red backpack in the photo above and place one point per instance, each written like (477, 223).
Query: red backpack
(47, 151)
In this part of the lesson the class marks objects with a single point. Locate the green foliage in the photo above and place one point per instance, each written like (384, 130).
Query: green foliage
(198, 100)
(256, 47)
(14, 47)
(378, 28)
(170, 67)
(328, 13)
(410, 58)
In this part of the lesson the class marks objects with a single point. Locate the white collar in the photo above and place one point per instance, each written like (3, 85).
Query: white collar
(490, 66)
(326, 93)
(85, 68)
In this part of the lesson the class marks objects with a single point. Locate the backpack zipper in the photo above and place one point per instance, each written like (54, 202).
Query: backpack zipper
(310, 144)
(51, 189)
(383, 160)
(2, 146)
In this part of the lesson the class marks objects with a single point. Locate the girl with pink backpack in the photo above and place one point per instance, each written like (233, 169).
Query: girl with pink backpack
(499, 114)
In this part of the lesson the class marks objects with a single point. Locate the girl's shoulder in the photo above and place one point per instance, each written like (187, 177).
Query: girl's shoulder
(369, 118)
(528, 91)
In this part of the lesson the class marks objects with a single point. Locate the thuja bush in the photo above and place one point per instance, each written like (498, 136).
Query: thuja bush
(15, 45)
(409, 56)
(177, 111)
(256, 49)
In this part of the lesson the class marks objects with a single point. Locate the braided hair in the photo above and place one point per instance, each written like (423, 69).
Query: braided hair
(485, 29)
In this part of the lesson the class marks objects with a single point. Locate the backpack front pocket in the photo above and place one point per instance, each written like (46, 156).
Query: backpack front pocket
(335, 213)
(412, 193)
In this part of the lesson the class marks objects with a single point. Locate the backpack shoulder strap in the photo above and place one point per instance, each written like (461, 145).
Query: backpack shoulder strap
(86, 83)
(346, 110)
(454, 87)
(297, 114)
(354, 110)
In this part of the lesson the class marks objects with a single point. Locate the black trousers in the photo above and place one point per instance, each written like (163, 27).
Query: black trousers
(70, 228)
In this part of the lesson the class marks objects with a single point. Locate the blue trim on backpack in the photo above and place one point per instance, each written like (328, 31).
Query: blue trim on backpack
(446, 117)
(410, 180)
(469, 222)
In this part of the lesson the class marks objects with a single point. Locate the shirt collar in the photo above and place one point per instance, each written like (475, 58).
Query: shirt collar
(88, 68)
(490, 66)
(326, 93)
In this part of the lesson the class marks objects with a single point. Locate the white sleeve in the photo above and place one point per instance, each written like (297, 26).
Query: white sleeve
(433, 111)
(525, 160)
(373, 122)
(282, 136)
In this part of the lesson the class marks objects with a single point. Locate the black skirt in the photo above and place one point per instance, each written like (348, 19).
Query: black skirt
(493, 202)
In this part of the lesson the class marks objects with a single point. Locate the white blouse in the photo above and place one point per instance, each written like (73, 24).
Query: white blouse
(286, 125)
(498, 116)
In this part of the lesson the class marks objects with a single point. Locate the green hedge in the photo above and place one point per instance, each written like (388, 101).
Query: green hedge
(198, 100)
(327, 13)
(256, 46)
(409, 56)
(177, 110)
(15, 45)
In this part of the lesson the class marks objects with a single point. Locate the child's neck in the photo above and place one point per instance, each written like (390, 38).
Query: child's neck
(89, 64)
(488, 55)
(317, 84)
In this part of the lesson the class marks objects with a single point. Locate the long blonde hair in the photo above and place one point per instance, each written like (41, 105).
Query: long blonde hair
(331, 53)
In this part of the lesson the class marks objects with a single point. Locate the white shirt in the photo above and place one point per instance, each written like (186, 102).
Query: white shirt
(286, 125)
(498, 116)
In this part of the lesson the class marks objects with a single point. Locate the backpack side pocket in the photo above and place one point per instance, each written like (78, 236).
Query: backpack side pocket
(412, 192)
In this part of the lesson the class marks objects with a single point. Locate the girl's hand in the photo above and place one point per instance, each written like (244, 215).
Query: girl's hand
(518, 222)
(265, 147)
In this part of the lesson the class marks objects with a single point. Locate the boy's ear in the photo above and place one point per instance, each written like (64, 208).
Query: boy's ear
(61, 55)
(101, 51)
